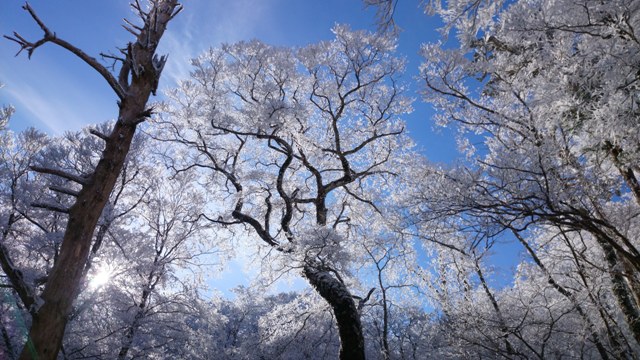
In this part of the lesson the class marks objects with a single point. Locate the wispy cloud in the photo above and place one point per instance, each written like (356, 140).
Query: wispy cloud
(54, 101)
(56, 92)
(32, 105)
(205, 24)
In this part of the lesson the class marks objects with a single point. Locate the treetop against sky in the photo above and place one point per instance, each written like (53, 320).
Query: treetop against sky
(55, 92)
(277, 142)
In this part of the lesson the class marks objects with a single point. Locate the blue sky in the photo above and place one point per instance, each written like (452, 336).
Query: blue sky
(55, 92)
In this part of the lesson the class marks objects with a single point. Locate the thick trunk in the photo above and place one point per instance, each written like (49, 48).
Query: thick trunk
(622, 290)
(135, 85)
(47, 329)
(344, 309)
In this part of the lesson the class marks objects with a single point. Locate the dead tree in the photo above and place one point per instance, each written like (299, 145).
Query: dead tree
(138, 77)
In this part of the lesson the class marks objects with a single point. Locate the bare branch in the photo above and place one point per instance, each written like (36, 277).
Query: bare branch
(49, 36)
(176, 11)
(98, 134)
(63, 174)
(51, 207)
(138, 8)
(63, 190)
(362, 301)
(133, 26)
(220, 220)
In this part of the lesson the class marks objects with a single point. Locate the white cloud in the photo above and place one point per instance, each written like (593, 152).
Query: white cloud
(57, 92)
(48, 112)
(205, 24)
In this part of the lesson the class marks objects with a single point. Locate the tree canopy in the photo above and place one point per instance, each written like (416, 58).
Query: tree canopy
(297, 159)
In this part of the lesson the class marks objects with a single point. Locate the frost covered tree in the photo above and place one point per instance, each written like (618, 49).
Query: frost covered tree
(140, 291)
(143, 285)
(17, 189)
(545, 96)
(5, 113)
(137, 79)
(387, 269)
(552, 86)
(295, 140)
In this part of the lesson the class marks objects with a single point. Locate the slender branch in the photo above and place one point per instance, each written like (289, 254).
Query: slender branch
(362, 301)
(220, 220)
(369, 202)
(132, 26)
(113, 57)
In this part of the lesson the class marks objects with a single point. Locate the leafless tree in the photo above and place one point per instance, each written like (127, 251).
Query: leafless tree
(137, 79)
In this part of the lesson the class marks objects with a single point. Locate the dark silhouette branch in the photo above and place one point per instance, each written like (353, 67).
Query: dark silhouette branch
(61, 173)
(49, 36)
(62, 190)
(51, 207)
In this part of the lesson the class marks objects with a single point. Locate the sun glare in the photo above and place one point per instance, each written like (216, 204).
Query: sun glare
(101, 277)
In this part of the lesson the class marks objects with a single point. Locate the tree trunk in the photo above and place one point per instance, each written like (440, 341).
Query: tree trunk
(621, 289)
(504, 329)
(570, 296)
(63, 284)
(344, 309)
(130, 332)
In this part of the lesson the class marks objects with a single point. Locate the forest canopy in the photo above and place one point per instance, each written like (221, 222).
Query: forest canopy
(297, 160)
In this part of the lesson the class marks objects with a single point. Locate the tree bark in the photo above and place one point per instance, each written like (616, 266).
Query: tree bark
(344, 309)
(131, 330)
(139, 78)
(621, 290)
(50, 320)
(511, 352)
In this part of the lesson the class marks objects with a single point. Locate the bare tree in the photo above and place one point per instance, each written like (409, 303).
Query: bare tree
(135, 82)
